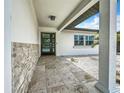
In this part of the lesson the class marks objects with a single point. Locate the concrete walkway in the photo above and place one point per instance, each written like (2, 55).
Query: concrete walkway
(60, 75)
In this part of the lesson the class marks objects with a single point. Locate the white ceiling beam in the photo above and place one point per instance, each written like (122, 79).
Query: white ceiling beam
(80, 9)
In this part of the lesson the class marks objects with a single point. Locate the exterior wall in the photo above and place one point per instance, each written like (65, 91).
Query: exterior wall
(25, 44)
(66, 46)
(65, 42)
(24, 23)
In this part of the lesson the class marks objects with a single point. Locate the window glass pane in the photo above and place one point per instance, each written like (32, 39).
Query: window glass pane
(75, 37)
(87, 42)
(81, 38)
(76, 43)
(90, 42)
(81, 42)
(87, 38)
(91, 38)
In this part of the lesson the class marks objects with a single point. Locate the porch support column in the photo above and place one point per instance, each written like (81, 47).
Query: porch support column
(107, 46)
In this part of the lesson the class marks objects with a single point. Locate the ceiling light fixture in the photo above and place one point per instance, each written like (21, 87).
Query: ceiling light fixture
(52, 18)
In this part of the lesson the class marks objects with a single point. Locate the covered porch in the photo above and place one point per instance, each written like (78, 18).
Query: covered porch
(55, 74)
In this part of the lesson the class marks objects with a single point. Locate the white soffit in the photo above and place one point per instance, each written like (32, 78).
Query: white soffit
(59, 8)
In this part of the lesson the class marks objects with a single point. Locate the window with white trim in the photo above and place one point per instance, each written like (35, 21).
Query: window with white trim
(78, 40)
(83, 40)
(89, 40)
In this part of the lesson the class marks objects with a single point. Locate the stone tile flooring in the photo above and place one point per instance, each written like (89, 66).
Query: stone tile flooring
(90, 64)
(59, 75)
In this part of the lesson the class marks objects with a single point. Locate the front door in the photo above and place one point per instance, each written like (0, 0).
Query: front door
(48, 43)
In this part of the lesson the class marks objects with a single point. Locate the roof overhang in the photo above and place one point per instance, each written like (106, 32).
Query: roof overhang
(92, 11)
(86, 9)
(83, 29)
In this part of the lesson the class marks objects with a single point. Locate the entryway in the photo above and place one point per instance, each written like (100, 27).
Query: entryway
(47, 43)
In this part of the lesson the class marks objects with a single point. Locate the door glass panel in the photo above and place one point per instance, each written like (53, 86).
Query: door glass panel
(53, 40)
(45, 45)
(46, 35)
(46, 40)
(53, 45)
(53, 36)
(53, 50)
(45, 50)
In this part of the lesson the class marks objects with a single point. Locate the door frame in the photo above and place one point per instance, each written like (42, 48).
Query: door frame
(54, 43)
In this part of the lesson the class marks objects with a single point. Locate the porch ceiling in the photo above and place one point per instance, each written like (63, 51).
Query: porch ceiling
(59, 8)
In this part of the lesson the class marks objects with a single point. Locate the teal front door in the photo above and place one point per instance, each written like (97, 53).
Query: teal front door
(47, 43)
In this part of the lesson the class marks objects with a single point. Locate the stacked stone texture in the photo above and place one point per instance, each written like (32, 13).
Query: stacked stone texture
(24, 59)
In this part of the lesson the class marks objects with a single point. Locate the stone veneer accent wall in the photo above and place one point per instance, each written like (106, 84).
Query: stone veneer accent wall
(24, 59)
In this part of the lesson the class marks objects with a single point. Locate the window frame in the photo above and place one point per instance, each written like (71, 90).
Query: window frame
(90, 40)
(79, 40)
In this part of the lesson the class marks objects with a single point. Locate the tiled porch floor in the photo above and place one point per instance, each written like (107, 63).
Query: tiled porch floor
(58, 75)
(90, 64)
